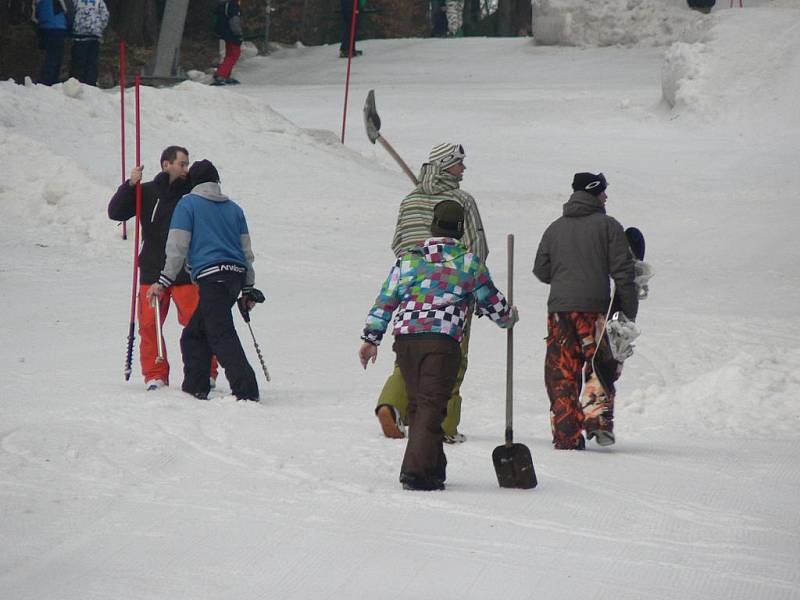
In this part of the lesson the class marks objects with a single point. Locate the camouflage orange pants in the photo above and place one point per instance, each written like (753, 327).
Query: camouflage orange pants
(571, 344)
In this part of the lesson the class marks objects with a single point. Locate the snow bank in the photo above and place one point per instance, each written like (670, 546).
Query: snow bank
(706, 75)
(56, 190)
(613, 22)
(61, 145)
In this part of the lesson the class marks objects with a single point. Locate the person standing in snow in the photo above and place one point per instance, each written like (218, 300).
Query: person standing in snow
(455, 18)
(439, 179)
(577, 255)
(228, 27)
(53, 19)
(433, 287)
(91, 19)
(438, 18)
(209, 232)
(159, 199)
(347, 23)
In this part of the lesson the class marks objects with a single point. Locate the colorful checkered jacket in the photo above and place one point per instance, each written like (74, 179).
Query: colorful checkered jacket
(432, 286)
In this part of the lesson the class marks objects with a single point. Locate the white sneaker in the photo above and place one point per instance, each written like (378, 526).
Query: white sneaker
(154, 384)
(457, 438)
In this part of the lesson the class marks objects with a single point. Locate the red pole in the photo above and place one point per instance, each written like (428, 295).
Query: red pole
(132, 325)
(122, 121)
(349, 60)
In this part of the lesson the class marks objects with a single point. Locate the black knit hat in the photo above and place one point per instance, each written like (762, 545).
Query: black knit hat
(589, 182)
(203, 171)
(448, 220)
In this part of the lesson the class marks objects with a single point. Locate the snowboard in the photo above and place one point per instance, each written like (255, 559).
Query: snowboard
(597, 397)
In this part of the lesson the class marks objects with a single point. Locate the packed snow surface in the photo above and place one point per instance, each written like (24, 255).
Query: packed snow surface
(107, 491)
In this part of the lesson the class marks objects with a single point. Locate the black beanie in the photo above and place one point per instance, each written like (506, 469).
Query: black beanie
(448, 220)
(202, 171)
(589, 182)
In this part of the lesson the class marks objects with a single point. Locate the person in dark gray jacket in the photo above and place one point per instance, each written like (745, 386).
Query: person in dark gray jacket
(579, 254)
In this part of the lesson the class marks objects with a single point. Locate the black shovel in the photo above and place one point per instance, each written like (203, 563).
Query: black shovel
(512, 462)
(372, 123)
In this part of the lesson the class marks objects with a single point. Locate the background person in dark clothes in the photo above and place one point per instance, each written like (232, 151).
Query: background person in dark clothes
(209, 232)
(159, 199)
(432, 285)
(228, 27)
(53, 21)
(347, 22)
(577, 255)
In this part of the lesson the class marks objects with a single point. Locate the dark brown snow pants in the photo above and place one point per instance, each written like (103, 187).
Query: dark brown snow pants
(429, 364)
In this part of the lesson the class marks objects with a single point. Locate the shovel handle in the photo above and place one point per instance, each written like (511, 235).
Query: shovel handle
(510, 348)
(159, 337)
(398, 160)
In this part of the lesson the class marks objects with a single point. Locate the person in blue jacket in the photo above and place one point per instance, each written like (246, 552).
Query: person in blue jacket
(53, 21)
(208, 233)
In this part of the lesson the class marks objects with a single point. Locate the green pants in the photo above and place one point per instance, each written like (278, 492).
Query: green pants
(394, 390)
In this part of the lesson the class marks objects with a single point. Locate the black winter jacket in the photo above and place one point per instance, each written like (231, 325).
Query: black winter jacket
(577, 255)
(228, 21)
(159, 199)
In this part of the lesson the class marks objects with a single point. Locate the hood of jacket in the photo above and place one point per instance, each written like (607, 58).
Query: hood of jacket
(434, 180)
(440, 249)
(582, 204)
(210, 191)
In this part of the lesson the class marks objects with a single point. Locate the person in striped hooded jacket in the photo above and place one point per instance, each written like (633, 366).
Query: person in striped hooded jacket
(439, 179)
(432, 287)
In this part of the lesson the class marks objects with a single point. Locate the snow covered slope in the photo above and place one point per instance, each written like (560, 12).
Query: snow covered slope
(110, 492)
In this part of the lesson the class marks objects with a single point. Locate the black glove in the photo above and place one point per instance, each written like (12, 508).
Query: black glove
(253, 295)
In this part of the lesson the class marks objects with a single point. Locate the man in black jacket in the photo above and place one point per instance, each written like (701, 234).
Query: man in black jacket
(159, 198)
(578, 254)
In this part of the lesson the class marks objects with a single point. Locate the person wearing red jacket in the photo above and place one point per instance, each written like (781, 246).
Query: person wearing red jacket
(159, 199)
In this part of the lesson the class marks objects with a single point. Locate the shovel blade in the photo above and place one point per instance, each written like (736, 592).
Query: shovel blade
(372, 122)
(514, 466)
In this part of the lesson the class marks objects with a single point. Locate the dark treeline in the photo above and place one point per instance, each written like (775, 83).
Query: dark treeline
(311, 22)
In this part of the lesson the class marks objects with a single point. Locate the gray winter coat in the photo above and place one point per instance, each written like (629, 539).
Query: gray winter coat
(577, 255)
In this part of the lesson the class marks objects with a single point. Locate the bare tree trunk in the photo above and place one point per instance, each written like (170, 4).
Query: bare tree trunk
(472, 14)
(137, 22)
(513, 17)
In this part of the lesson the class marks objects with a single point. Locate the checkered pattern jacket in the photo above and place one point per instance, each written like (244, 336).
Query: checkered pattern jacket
(431, 287)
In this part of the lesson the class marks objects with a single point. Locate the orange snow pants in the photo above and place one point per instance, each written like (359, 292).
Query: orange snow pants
(185, 297)
(571, 344)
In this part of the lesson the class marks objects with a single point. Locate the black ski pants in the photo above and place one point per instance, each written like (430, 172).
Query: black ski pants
(211, 332)
(83, 64)
(347, 22)
(429, 364)
(52, 42)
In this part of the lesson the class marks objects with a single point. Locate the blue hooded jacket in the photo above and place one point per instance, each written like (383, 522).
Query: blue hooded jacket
(51, 14)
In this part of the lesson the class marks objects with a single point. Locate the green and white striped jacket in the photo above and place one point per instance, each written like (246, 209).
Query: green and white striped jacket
(416, 213)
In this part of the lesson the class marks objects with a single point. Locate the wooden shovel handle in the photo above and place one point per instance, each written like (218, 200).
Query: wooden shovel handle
(510, 348)
(388, 147)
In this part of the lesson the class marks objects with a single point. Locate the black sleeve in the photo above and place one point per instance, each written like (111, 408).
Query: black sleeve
(123, 204)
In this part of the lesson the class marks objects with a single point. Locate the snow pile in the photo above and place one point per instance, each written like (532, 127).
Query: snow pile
(61, 145)
(706, 74)
(613, 22)
(56, 190)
